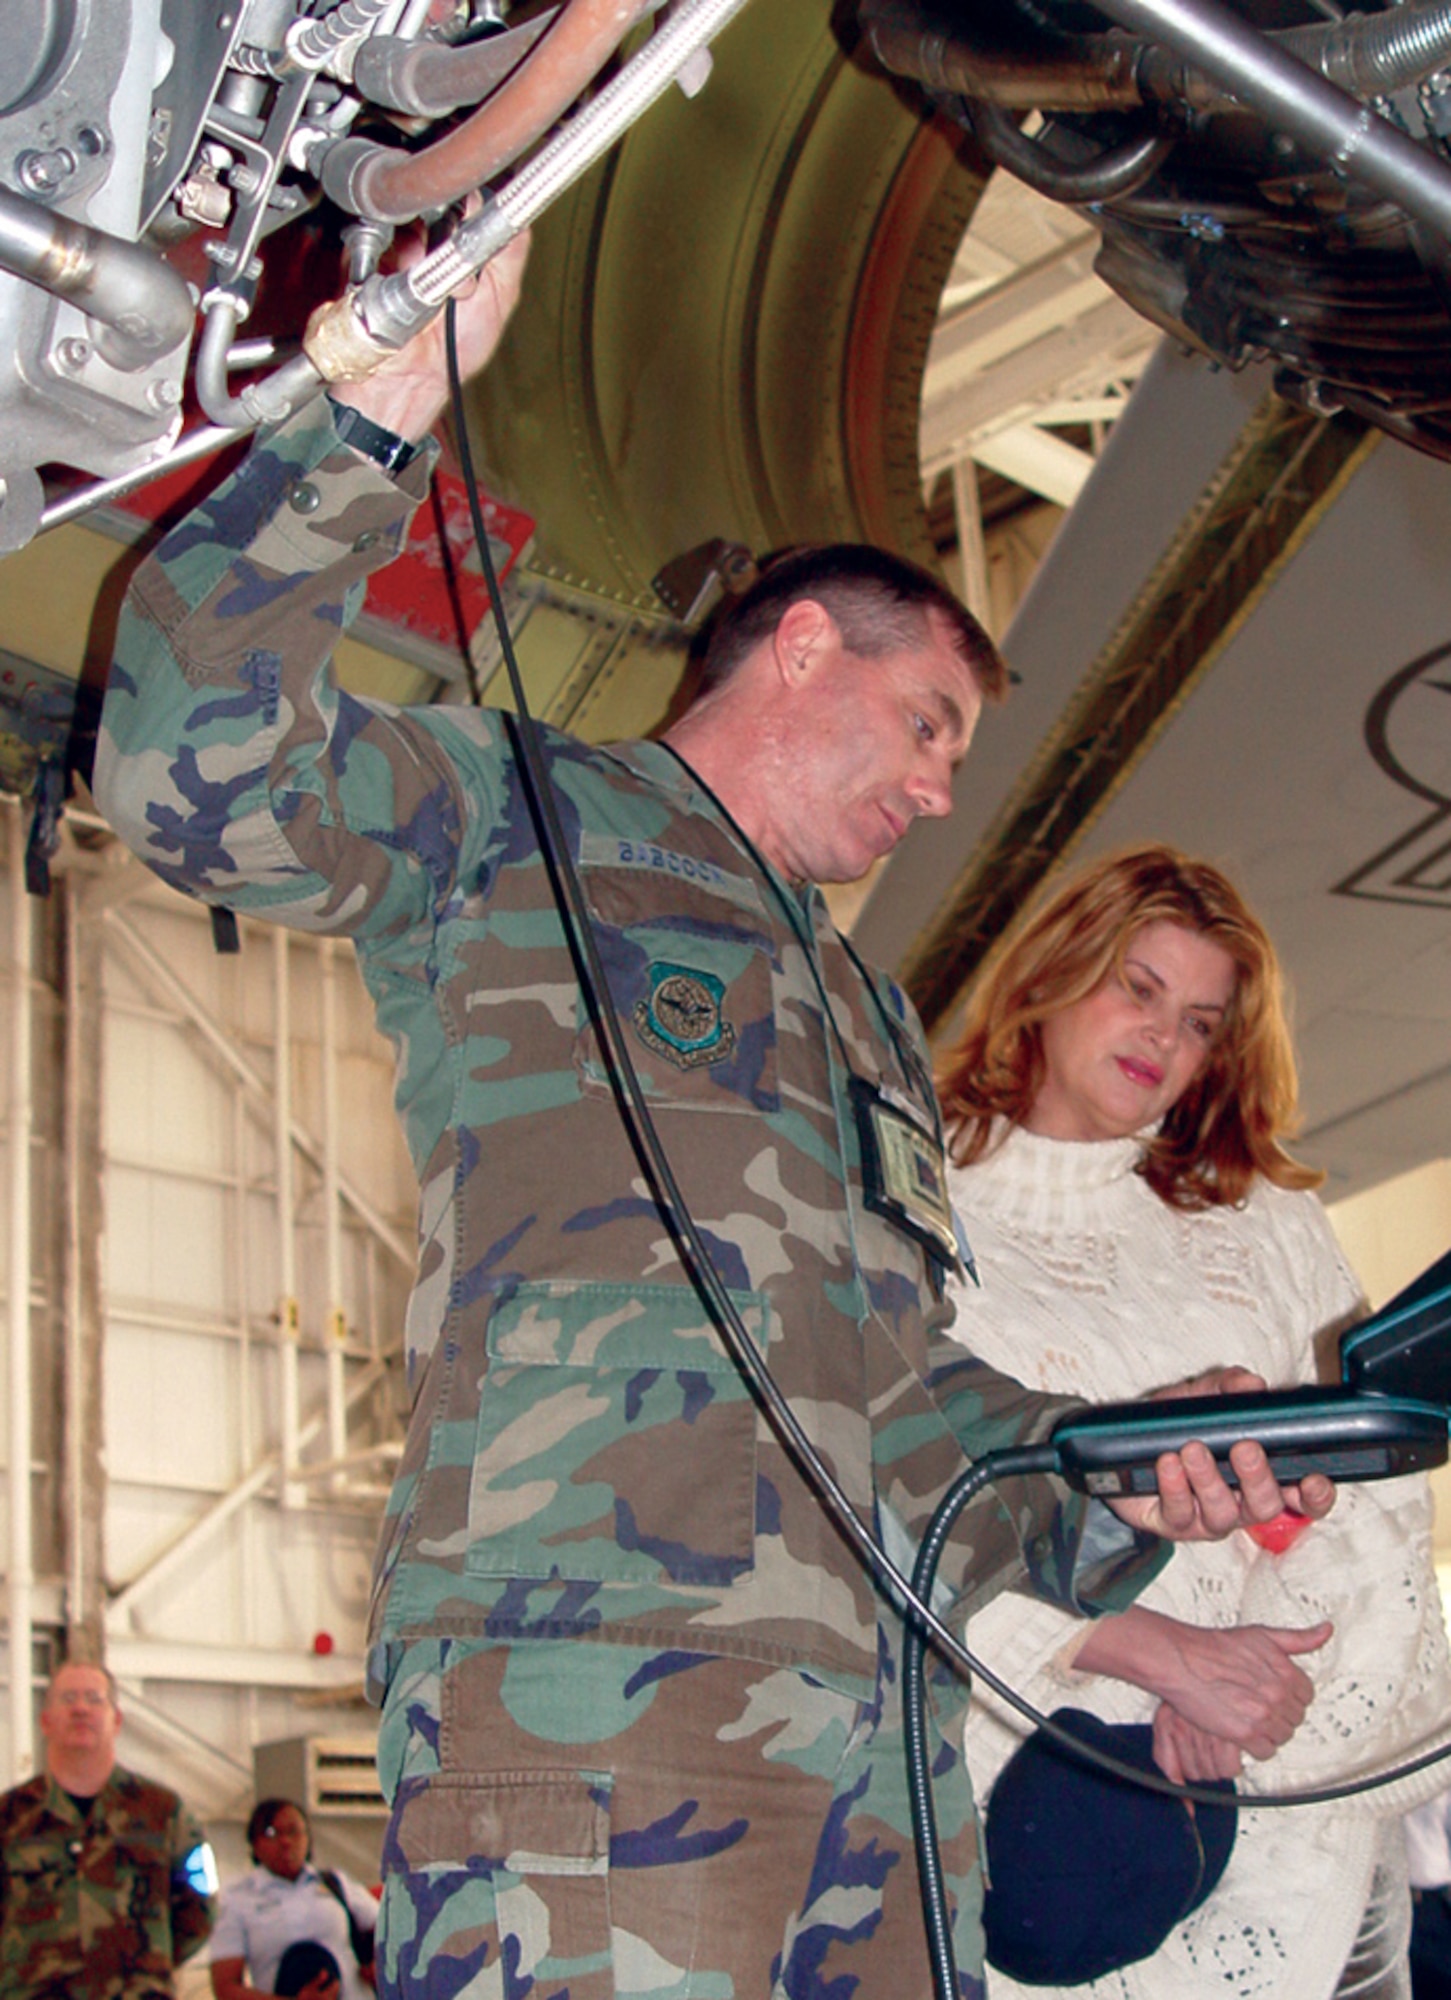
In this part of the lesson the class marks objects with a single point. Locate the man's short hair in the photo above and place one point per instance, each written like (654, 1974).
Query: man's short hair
(880, 603)
(94, 1667)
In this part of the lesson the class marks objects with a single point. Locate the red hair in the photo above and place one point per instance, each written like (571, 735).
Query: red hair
(1227, 1126)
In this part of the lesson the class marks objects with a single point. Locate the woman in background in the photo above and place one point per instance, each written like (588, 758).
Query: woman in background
(286, 1902)
(1116, 1109)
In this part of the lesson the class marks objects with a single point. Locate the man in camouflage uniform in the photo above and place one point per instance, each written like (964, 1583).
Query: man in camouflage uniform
(641, 1712)
(99, 1869)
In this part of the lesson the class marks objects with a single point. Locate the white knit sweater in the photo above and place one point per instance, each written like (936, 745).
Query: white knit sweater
(1092, 1286)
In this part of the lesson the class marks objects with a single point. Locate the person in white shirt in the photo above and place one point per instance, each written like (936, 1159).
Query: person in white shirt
(286, 1901)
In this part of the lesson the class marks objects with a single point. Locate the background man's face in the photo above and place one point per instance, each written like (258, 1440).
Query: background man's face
(79, 1715)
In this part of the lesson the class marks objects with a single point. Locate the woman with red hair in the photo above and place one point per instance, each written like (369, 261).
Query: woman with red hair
(1117, 1110)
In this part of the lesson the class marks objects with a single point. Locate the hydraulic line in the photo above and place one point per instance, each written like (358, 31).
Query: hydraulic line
(266, 402)
(313, 42)
(387, 311)
(388, 185)
(348, 338)
(1376, 54)
(428, 79)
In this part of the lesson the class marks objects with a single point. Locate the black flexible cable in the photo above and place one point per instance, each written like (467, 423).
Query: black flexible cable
(997, 1465)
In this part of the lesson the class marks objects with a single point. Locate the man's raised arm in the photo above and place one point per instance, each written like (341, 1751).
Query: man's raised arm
(228, 758)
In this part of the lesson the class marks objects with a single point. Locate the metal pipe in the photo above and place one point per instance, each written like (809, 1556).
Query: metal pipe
(1117, 170)
(313, 42)
(332, 1211)
(1045, 72)
(74, 1373)
(1295, 100)
(1369, 55)
(388, 185)
(198, 445)
(1374, 54)
(143, 308)
(266, 402)
(246, 1400)
(288, 1317)
(20, 1583)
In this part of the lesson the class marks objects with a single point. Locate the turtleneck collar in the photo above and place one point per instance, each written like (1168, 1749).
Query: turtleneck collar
(1027, 1169)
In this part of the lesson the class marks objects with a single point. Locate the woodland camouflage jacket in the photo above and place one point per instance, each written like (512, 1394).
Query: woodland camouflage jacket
(96, 1908)
(583, 1457)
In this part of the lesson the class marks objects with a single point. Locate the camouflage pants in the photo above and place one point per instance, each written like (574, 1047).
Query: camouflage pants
(574, 1821)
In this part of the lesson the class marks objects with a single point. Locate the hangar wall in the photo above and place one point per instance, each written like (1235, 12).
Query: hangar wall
(210, 1357)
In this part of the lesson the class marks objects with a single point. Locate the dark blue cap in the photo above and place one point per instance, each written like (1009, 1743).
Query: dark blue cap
(300, 1964)
(1088, 1872)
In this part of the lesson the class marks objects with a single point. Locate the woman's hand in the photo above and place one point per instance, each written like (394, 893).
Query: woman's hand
(322, 1986)
(1190, 1756)
(1238, 1683)
(229, 1982)
(1242, 1683)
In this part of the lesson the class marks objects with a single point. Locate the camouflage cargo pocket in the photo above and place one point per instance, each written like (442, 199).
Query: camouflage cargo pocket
(499, 1881)
(692, 983)
(616, 1440)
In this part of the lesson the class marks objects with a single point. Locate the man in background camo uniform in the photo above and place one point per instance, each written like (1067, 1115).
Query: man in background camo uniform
(641, 1722)
(100, 1871)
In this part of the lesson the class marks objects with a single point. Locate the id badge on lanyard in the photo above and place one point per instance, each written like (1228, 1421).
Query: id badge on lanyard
(904, 1171)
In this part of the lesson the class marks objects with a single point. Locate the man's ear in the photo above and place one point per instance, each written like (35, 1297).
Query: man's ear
(805, 637)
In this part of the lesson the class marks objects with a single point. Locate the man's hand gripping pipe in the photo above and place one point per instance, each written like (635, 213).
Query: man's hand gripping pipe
(349, 338)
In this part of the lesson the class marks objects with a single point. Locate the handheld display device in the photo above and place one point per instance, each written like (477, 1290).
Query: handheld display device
(1110, 1451)
(1389, 1415)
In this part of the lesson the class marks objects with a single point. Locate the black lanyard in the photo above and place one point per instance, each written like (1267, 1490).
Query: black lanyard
(903, 1150)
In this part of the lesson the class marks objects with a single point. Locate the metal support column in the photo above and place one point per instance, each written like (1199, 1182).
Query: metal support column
(20, 1582)
(287, 1308)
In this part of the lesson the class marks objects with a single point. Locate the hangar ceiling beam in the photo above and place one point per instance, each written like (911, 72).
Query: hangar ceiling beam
(1282, 474)
(1036, 459)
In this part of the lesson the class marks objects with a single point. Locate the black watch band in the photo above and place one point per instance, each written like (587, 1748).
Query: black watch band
(384, 447)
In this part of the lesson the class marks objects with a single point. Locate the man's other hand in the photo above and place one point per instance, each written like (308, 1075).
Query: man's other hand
(1194, 1502)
